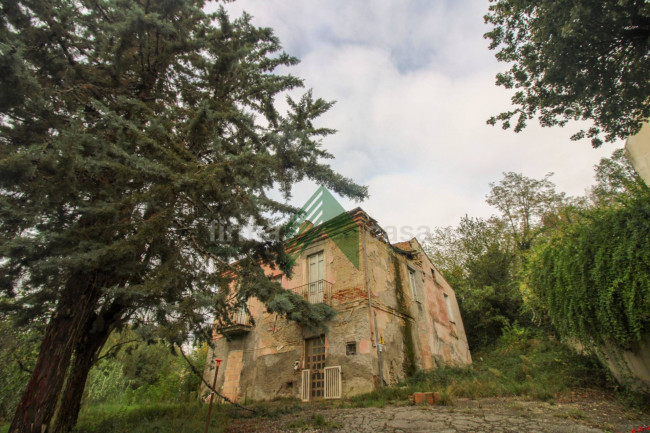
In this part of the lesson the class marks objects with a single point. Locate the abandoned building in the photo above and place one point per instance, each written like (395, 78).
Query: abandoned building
(395, 314)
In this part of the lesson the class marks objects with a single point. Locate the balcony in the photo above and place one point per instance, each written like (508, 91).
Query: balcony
(241, 324)
(316, 292)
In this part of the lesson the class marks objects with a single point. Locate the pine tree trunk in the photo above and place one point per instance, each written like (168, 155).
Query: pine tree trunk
(66, 417)
(36, 407)
(85, 354)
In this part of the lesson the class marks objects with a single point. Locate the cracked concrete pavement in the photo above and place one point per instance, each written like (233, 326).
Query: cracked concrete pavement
(466, 415)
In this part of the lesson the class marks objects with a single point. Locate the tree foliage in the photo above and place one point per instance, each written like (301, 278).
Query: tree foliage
(576, 267)
(18, 352)
(482, 258)
(143, 371)
(580, 60)
(129, 130)
(524, 202)
(593, 275)
(615, 176)
(478, 259)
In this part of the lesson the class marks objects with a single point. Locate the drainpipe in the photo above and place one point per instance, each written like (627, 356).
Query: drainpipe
(379, 363)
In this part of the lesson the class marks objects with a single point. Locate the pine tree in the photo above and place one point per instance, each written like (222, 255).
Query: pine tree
(129, 130)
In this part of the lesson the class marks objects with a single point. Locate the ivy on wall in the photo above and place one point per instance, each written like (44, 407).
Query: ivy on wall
(407, 326)
(593, 274)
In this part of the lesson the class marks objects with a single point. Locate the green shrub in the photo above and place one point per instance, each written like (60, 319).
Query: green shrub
(592, 274)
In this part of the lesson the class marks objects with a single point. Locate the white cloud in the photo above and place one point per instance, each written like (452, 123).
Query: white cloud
(414, 85)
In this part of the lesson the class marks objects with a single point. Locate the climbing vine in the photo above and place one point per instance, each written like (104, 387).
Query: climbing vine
(407, 327)
(593, 274)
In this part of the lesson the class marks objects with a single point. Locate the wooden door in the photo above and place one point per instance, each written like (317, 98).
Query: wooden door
(315, 363)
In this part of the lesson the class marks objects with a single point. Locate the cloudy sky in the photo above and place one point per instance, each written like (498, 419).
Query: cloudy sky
(414, 85)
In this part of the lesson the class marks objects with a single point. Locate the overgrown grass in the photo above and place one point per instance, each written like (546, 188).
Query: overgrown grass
(534, 368)
(531, 367)
(117, 417)
(176, 418)
(158, 418)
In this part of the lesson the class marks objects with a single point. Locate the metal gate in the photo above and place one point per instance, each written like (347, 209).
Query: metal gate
(304, 386)
(333, 382)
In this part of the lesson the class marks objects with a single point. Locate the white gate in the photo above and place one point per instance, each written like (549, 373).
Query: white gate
(304, 386)
(333, 382)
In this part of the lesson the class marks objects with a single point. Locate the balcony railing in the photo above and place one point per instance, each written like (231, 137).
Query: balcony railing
(241, 324)
(316, 292)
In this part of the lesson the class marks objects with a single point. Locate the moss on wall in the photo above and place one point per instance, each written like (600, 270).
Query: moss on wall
(407, 326)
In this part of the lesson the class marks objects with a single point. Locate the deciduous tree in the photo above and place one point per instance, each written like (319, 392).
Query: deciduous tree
(523, 203)
(578, 60)
(615, 176)
(478, 259)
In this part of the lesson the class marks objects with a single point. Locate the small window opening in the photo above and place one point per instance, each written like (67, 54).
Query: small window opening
(412, 283)
(351, 348)
(448, 305)
(435, 278)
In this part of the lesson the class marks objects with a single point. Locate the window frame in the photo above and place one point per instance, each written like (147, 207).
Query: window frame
(450, 315)
(412, 283)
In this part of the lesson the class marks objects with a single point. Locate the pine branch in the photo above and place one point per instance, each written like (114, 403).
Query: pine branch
(113, 348)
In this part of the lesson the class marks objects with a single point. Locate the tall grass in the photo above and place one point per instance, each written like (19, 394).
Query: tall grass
(151, 418)
(524, 366)
(537, 368)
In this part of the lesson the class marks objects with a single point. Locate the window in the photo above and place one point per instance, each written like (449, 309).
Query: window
(435, 279)
(412, 281)
(316, 273)
(448, 305)
(351, 348)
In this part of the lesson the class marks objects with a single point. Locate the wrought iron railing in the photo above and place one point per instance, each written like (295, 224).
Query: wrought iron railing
(241, 317)
(316, 292)
(240, 323)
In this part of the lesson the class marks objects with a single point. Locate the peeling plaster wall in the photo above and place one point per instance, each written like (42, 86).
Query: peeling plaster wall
(261, 364)
(435, 339)
(272, 347)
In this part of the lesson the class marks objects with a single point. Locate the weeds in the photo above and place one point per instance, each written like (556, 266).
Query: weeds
(535, 368)
(518, 366)
(159, 418)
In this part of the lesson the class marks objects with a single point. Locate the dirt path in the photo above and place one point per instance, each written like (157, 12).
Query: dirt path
(480, 415)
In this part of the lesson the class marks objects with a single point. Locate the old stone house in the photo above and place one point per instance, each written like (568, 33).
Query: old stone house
(395, 314)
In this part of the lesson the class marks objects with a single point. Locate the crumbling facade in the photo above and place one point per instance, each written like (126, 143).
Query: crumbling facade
(395, 314)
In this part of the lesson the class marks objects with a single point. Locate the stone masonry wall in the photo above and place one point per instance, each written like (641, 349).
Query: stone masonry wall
(267, 361)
